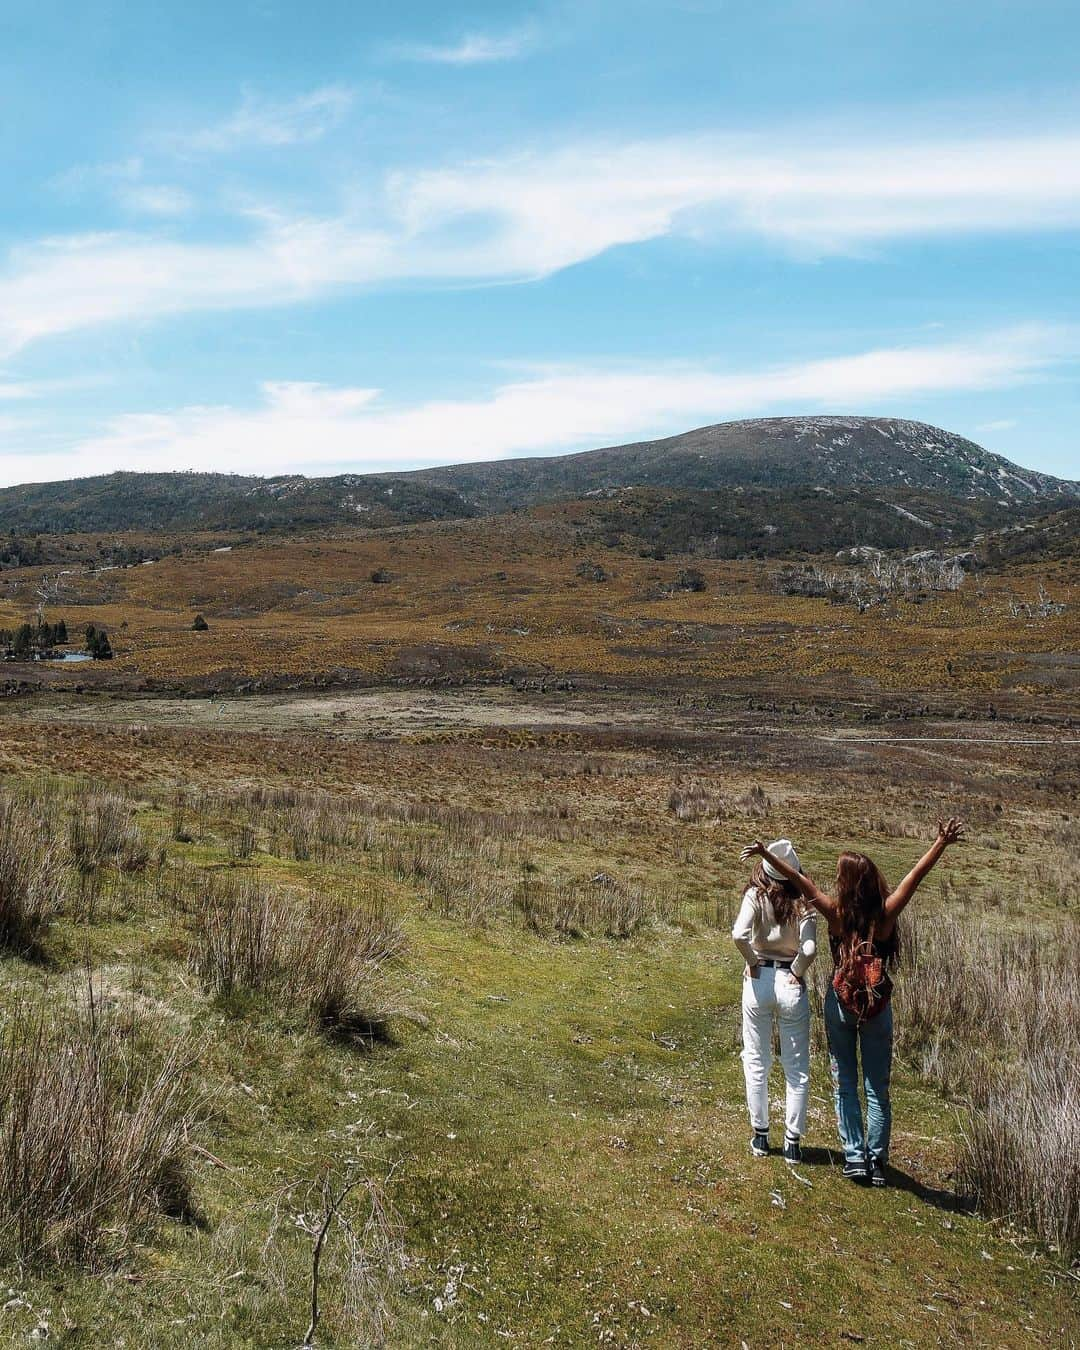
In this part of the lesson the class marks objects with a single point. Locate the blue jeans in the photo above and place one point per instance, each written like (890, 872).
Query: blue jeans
(873, 1040)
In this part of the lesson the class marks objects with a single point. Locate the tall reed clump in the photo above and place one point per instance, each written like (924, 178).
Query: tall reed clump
(993, 1019)
(694, 800)
(32, 879)
(101, 833)
(321, 956)
(93, 1128)
(335, 969)
(242, 931)
(1020, 1146)
(599, 905)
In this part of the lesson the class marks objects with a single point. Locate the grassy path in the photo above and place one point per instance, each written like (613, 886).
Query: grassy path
(575, 1167)
(569, 1144)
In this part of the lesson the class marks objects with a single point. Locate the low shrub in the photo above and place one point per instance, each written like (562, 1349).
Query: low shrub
(690, 579)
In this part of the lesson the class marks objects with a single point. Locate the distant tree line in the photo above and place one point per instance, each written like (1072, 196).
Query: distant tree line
(28, 638)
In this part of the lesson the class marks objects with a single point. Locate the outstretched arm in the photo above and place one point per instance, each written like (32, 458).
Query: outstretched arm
(948, 833)
(807, 889)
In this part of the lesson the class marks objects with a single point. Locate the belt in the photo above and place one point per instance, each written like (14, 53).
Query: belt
(779, 965)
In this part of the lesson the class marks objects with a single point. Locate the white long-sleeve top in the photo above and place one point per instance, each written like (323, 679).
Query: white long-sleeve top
(758, 934)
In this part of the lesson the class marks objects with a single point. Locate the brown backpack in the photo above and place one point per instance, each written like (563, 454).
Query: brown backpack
(860, 981)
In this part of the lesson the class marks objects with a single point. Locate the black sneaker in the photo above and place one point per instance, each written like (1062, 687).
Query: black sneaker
(877, 1172)
(759, 1144)
(792, 1151)
(855, 1171)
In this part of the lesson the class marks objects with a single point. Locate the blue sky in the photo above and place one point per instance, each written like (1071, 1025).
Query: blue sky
(270, 237)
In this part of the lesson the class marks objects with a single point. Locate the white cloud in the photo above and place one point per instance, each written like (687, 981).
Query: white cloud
(472, 50)
(529, 215)
(12, 392)
(1002, 424)
(62, 285)
(18, 391)
(567, 205)
(259, 122)
(304, 427)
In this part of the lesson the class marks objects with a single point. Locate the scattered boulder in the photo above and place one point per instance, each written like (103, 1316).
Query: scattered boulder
(200, 625)
(967, 560)
(859, 553)
(590, 571)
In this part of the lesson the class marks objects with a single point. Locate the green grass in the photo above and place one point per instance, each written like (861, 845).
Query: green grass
(561, 1124)
(570, 1146)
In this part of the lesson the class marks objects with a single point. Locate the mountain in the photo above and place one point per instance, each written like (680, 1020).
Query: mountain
(762, 452)
(867, 454)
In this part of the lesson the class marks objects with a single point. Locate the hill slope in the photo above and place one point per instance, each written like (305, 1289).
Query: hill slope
(763, 452)
(220, 501)
(778, 452)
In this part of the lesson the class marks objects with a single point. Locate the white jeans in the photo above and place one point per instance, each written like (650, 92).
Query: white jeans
(771, 995)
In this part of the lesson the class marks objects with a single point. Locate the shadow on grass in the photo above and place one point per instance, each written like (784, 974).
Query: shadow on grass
(947, 1201)
(357, 1031)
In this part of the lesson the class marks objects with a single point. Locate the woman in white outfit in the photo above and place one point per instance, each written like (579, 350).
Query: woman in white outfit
(775, 932)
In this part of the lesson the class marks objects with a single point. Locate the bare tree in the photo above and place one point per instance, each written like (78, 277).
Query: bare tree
(372, 1250)
(47, 589)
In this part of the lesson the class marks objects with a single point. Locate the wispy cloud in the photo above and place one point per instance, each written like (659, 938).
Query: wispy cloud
(473, 49)
(262, 122)
(27, 391)
(547, 411)
(155, 199)
(1001, 424)
(124, 180)
(528, 215)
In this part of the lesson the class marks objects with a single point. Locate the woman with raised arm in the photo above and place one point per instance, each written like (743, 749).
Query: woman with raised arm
(865, 942)
(775, 932)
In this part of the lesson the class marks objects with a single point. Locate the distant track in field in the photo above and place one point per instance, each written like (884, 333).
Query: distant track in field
(949, 740)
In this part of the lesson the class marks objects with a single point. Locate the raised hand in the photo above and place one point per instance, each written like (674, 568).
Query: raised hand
(754, 850)
(950, 831)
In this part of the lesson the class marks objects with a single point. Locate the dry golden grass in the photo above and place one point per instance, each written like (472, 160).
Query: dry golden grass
(477, 599)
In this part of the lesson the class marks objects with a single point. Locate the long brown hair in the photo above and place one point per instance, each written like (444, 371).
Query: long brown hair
(784, 896)
(861, 892)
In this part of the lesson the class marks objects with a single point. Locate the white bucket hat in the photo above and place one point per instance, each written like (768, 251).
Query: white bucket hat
(781, 848)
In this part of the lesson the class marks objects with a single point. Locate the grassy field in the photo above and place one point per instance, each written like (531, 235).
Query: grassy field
(551, 1116)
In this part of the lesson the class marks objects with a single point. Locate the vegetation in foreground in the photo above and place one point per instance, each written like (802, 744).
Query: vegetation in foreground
(467, 1006)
